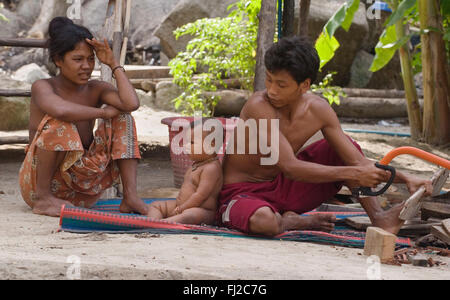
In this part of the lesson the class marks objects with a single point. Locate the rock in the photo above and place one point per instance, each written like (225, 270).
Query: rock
(359, 72)
(15, 24)
(187, 11)
(30, 73)
(146, 99)
(231, 102)
(351, 41)
(166, 91)
(146, 16)
(14, 113)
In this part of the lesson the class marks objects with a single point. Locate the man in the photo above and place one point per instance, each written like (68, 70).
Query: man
(267, 199)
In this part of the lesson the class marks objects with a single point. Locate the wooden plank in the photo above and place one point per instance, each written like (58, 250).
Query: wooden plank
(440, 233)
(412, 204)
(8, 140)
(147, 72)
(21, 42)
(446, 225)
(15, 93)
(414, 227)
(380, 243)
(435, 210)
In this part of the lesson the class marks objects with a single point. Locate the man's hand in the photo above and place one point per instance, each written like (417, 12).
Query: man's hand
(368, 175)
(110, 112)
(104, 53)
(414, 183)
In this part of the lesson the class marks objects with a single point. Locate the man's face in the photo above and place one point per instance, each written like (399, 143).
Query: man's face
(78, 64)
(282, 89)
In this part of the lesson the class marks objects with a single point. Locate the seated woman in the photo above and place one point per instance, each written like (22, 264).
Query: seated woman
(66, 161)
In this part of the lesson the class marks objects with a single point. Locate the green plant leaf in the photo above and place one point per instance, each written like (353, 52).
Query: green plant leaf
(326, 47)
(386, 48)
(400, 12)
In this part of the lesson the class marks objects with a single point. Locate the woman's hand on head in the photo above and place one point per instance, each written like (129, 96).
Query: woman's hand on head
(104, 53)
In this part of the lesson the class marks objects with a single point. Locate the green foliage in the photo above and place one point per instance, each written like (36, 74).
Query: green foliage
(389, 43)
(327, 44)
(329, 92)
(221, 48)
(2, 17)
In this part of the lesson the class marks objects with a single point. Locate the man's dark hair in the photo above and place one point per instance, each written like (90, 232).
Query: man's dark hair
(295, 55)
(64, 36)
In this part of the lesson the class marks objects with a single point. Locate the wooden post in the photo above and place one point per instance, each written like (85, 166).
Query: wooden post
(288, 18)
(304, 14)
(266, 33)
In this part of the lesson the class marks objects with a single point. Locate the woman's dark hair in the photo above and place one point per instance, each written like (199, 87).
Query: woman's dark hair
(64, 36)
(295, 55)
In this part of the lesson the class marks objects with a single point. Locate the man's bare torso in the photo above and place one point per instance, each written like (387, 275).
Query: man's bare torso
(298, 126)
(89, 95)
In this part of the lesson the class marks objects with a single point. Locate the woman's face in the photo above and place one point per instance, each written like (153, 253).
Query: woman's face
(77, 65)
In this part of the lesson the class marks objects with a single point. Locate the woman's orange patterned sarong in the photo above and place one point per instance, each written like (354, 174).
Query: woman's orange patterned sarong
(84, 174)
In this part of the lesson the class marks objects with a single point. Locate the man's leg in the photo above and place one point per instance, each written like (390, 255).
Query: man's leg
(45, 202)
(267, 222)
(386, 219)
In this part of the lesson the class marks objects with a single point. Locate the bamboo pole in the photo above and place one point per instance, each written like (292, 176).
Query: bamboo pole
(436, 116)
(413, 106)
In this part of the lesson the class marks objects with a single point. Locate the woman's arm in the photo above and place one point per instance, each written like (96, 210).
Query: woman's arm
(55, 106)
(124, 98)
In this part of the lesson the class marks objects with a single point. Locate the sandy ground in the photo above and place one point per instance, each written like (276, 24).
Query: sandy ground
(32, 248)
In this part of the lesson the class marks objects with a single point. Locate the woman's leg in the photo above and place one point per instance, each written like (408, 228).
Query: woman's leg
(131, 203)
(45, 203)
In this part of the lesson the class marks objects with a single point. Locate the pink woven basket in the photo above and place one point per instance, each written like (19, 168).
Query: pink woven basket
(181, 162)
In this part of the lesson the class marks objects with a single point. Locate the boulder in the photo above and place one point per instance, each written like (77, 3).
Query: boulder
(359, 72)
(351, 41)
(145, 98)
(30, 73)
(231, 102)
(187, 11)
(146, 16)
(166, 91)
(14, 111)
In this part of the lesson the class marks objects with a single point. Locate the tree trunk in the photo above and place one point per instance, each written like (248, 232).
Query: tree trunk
(304, 14)
(436, 118)
(266, 33)
(49, 10)
(414, 113)
(288, 17)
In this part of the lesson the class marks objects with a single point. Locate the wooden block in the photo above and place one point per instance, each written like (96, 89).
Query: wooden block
(441, 234)
(446, 225)
(419, 260)
(379, 242)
